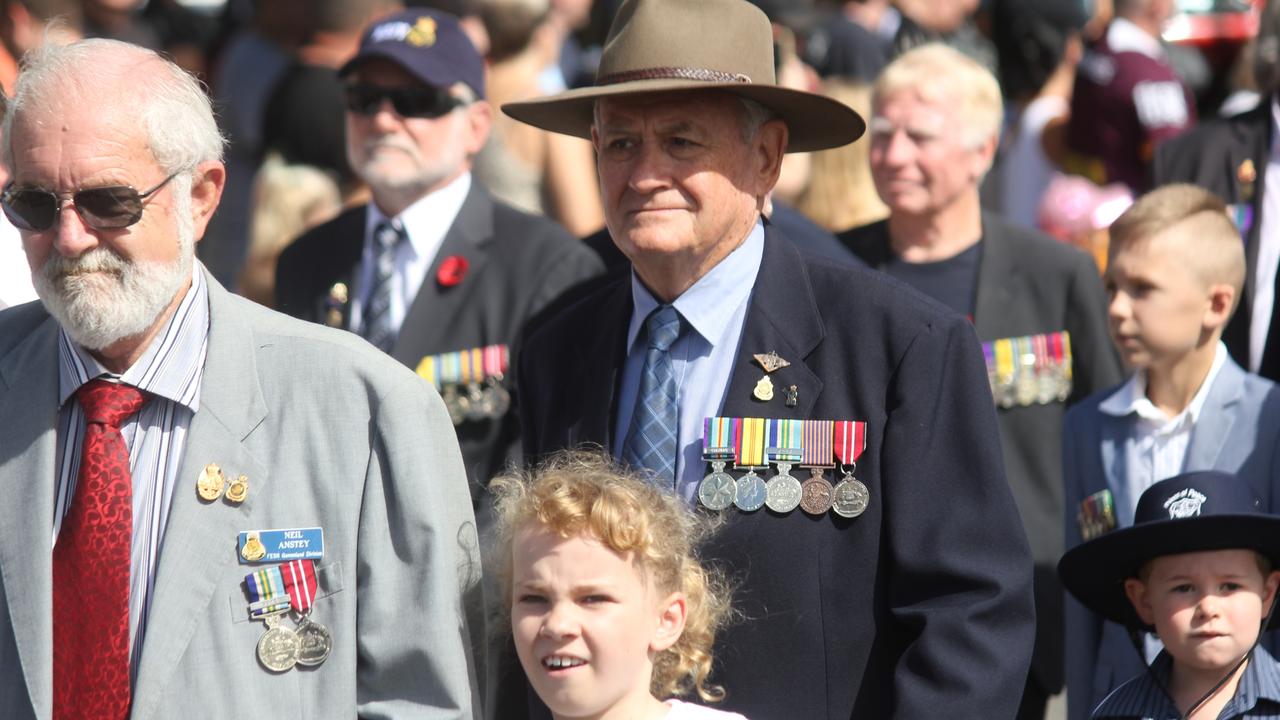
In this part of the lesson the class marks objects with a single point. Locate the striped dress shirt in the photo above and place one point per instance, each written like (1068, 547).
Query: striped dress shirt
(1144, 698)
(169, 374)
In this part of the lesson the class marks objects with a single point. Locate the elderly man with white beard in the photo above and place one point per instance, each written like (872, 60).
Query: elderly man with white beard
(201, 494)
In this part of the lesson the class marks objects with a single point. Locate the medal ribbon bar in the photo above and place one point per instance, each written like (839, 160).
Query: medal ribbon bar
(850, 440)
(817, 439)
(718, 438)
(786, 441)
(300, 583)
(265, 586)
(749, 442)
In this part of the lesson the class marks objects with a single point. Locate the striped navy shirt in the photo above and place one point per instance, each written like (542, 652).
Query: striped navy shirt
(169, 372)
(1142, 698)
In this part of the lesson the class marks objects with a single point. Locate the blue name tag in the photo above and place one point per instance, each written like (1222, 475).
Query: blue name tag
(278, 546)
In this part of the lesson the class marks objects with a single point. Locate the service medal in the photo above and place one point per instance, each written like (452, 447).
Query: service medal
(783, 492)
(314, 642)
(815, 494)
(750, 493)
(209, 485)
(849, 498)
(717, 490)
(785, 447)
(278, 647)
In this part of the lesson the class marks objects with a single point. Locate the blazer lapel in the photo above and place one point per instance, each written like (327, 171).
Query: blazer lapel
(29, 379)
(199, 540)
(1114, 456)
(604, 353)
(996, 273)
(427, 324)
(1209, 438)
(782, 317)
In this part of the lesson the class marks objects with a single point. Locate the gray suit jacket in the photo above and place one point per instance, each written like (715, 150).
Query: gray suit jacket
(331, 433)
(1238, 431)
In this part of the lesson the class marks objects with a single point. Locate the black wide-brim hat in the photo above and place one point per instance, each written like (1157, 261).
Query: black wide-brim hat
(1193, 512)
(657, 46)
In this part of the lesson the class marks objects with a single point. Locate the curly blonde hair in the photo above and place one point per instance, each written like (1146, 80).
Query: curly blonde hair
(583, 492)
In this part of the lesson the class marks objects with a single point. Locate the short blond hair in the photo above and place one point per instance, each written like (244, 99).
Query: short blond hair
(1210, 240)
(584, 493)
(936, 72)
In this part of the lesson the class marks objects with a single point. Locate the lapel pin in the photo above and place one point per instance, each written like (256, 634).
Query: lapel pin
(452, 270)
(337, 300)
(764, 390)
(770, 361)
(209, 485)
(793, 399)
(238, 490)
(1246, 175)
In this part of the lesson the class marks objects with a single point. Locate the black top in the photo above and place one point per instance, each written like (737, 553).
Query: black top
(952, 282)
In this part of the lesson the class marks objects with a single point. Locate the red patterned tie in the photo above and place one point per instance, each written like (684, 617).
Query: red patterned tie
(91, 565)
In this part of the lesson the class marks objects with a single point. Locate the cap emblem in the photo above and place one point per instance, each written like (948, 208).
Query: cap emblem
(1184, 504)
(423, 33)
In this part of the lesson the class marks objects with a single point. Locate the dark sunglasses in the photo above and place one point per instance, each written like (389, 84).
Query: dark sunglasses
(412, 102)
(101, 208)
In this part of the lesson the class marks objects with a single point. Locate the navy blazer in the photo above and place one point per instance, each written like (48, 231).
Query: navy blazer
(516, 265)
(919, 606)
(1238, 431)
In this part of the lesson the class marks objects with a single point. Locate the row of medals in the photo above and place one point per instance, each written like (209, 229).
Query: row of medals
(1026, 386)
(783, 493)
(474, 401)
(280, 648)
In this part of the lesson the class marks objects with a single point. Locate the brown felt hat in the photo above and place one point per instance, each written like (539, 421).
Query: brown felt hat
(675, 45)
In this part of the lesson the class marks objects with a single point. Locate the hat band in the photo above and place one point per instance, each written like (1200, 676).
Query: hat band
(673, 73)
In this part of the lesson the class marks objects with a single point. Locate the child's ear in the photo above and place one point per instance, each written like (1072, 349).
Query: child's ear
(1136, 591)
(1272, 582)
(672, 613)
(1222, 298)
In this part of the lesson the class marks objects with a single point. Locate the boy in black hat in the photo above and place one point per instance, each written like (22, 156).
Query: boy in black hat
(1196, 568)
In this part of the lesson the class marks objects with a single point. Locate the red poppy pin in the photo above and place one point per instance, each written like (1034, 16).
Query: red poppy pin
(452, 270)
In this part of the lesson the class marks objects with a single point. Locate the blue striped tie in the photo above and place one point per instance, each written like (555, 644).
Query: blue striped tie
(377, 327)
(651, 441)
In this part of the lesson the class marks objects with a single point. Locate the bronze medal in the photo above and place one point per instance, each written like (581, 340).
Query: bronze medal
(209, 485)
(815, 494)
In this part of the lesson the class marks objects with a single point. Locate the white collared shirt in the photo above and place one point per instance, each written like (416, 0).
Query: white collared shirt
(15, 273)
(1124, 36)
(1264, 269)
(426, 222)
(1157, 449)
(714, 309)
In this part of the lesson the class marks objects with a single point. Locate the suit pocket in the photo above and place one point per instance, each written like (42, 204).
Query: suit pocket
(328, 582)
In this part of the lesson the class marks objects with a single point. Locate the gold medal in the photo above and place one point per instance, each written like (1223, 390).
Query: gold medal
(239, 490)
(211, 482)
(253, 549)
(764, 389)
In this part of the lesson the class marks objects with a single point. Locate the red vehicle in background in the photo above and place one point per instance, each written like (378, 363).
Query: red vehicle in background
(1219, 30)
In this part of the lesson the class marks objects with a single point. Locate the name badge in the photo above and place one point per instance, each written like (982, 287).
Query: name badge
(278, 546)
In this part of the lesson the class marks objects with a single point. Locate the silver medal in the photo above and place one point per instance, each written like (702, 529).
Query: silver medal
(278, 646)
(782, 492)
(716, 490)
(850, 497)
(314, 642)
(750, 493)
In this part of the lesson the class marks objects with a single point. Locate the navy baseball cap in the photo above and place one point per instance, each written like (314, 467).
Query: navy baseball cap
(428, 44)
(1193, 512)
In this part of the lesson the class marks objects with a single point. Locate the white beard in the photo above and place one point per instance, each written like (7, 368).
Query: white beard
(100, 299)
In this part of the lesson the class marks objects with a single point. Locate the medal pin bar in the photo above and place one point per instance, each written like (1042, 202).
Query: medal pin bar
(717, 489)
(269, 601)
(850, 497)
(786, 447)
(750, 493)
(314, 640)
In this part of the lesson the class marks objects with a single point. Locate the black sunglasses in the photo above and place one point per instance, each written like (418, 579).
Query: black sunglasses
(102, 208)
(411, 102)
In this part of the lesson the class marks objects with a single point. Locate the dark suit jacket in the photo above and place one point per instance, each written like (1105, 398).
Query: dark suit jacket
(1210, 155)
(1029, 284)
(517, 263)
(919, 606)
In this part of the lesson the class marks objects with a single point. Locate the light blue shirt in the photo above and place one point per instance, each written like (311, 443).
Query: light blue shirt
(714, 310)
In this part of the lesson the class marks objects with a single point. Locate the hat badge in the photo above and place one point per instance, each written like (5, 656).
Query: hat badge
(423, 33)
(1184, 504)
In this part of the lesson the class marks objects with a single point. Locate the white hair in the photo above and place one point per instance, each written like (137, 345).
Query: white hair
(938, 73)
(170, 105)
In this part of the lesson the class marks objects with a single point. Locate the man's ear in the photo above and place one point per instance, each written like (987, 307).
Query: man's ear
(1136, 591)
(672, 613)
(207, 182)
(480, 122)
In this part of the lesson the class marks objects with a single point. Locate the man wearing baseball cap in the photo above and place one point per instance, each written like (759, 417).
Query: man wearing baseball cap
(897, 585)
(434, 270)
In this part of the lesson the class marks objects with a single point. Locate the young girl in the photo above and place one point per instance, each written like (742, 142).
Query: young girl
(611, 613)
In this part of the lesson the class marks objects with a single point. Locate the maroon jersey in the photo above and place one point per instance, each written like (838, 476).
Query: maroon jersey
(1127, 100)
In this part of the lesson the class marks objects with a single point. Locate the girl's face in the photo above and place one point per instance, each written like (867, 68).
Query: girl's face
(587, 625)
